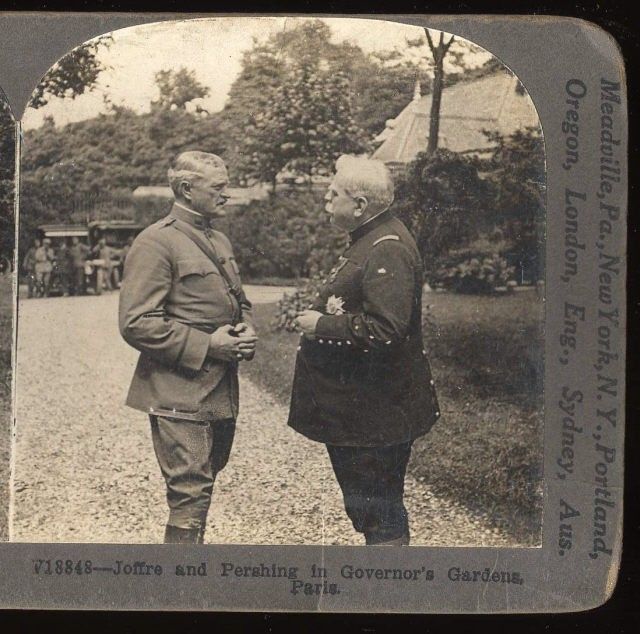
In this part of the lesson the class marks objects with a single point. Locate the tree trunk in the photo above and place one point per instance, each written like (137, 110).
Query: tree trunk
(436, 99)
(439, 53)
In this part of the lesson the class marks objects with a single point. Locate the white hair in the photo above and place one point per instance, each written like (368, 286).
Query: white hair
(191, 165)
(370, 178)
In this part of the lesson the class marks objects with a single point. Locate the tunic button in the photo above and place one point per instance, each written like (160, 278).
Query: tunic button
(329, 341)
(339, 343)
(317, 294)
(431, 382)
(348, 342)
(371, 337)
(437, 413)
(365, 350)
(299, 347)
(424, 352)
(320, 340)
(387, 342)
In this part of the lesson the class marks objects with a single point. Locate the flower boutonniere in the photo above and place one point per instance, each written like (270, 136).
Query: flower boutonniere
(335, 305)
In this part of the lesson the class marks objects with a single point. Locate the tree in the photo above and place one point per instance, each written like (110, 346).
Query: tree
(178, 88)
(456, 214)
(7, 182)
(438, 53)
(379, 86)
(444, 203)
(73, 74)
(516, 172)
(306, 125)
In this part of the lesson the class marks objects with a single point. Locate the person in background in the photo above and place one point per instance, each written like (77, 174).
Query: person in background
(29, 267)
(104, 252)
(79, 253)
(64, 267)
(44, 257)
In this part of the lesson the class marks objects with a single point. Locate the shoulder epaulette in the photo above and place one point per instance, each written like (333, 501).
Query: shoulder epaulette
(391, 236)
(165, 222)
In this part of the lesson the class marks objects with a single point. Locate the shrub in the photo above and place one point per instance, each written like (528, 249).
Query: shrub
(292, 303)
(475, 275)
(287, 236)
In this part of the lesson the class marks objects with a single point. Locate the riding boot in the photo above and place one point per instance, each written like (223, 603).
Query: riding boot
(177, 535)
(403, 540)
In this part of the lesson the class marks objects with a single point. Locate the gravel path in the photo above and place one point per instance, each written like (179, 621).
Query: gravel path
(85, 469)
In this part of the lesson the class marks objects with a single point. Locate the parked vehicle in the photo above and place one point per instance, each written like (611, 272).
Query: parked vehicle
(116, 234)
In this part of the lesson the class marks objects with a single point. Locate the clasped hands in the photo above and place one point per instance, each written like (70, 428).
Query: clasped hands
(233, 343)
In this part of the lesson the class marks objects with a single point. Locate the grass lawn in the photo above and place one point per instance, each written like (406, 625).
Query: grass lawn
(6, 335)
(486, 355)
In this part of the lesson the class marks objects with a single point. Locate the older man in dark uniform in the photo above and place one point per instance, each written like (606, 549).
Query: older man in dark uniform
(182, 306)
(362, 381)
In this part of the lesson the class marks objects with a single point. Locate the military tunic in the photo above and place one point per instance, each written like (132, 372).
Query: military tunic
(172, 298)
(363, 379)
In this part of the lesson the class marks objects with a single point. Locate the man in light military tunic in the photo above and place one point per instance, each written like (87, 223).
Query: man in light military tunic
(362, 382)
(182, 306)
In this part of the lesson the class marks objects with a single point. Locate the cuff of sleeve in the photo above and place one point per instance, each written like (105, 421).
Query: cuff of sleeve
(195, 350)
(333, 327)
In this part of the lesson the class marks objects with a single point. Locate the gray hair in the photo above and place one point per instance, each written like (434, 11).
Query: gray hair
(360, 176)
(191, 165)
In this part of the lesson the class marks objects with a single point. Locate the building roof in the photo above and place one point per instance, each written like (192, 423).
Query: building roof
(467, 108)
(238, 195)
(64, 231)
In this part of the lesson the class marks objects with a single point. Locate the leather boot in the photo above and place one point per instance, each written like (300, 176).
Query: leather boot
(177, 535)
(403, 540)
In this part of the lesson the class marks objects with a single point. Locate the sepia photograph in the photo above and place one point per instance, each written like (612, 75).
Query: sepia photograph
(280, 281)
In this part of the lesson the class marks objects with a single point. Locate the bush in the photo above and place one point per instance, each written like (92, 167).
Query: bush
(475, 275)
(292, 303)
(286, 236)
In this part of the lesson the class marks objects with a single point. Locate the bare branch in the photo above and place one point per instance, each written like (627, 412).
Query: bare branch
(449, 43)
(430, 41)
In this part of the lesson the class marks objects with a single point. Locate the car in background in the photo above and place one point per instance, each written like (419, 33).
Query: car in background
(116, 233)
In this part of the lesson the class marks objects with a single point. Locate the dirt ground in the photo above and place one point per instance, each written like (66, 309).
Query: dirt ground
(6, 338)
(85, 469)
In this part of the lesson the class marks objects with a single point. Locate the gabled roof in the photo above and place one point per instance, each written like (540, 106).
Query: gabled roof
(490, 103)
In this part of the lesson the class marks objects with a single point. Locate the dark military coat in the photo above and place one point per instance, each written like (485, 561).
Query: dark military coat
(363, 379)
(172, 298)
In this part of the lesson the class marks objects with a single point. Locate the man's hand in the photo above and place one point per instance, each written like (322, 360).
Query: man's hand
(307, 320)
(225, 345)
(246, 330)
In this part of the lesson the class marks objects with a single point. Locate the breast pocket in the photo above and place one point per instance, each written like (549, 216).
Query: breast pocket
(199, 277)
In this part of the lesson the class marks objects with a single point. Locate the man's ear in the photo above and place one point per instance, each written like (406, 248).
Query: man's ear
(185, 189)
(361, 206)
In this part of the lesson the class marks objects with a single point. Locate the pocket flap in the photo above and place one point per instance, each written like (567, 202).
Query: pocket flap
(195, 267)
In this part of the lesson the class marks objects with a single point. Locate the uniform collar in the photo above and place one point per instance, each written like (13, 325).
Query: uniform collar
(369, 225)
(189, 216)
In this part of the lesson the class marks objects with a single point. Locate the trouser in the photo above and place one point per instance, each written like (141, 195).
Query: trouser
(43, 279)
(32, 284)
(372, 483)
(106, 278)
(65, 278)
(78, 280)
(190, 455)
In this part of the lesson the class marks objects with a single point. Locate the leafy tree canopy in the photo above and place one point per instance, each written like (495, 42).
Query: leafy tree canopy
(7, 168)
(73, 74)
(178, 88)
